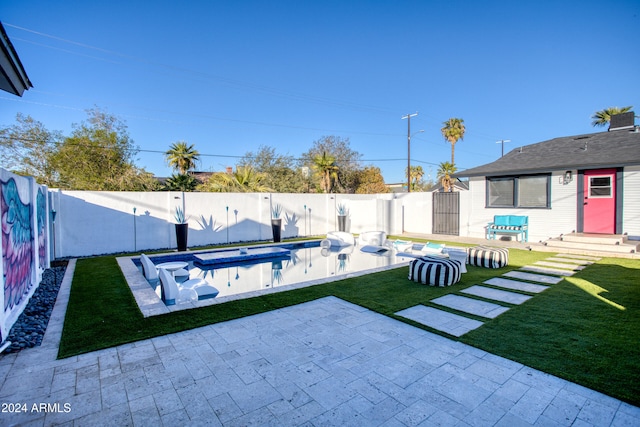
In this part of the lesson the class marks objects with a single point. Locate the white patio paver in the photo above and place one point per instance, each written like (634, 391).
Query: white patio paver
(579, 256)
(441, 320)
(570, 260)
(516, 285)
(497, 294)
(325, 362)
(544, 270)
(532, 277)
(560, 265)
(471, 305)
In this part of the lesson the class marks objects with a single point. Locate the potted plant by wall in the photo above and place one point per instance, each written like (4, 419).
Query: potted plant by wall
(276, 222)
(182, 229)
(343, 213)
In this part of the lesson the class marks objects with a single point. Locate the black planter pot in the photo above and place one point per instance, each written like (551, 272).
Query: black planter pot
(182, 232)
(276, 227)
(342, 223)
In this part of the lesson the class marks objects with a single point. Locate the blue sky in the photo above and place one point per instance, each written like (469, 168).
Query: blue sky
(232, 76)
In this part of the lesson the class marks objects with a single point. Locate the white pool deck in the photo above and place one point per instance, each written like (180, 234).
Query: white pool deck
(323, 363)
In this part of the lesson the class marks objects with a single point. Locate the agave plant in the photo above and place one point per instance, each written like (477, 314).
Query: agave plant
(342, 209)
(276, 211)
(179, 216)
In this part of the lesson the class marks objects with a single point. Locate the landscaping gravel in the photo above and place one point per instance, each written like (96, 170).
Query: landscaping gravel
(30, 327)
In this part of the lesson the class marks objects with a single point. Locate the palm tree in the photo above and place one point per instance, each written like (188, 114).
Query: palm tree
(602, 118)
(453, 131)
(445, 170)
(182, 157)
(416, 175)
(181, 182)
(326, 167)
(244, 180)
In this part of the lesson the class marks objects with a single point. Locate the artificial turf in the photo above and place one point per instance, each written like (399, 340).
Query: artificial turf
(584, 329)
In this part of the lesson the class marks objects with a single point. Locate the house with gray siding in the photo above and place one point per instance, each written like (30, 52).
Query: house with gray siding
(584, 183)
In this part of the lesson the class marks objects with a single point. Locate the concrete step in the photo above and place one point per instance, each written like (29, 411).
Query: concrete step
(599, 239)
(590, 248)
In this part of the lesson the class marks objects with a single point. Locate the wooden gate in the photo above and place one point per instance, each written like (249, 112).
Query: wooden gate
(446, 213)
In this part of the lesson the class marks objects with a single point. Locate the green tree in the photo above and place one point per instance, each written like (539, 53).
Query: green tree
(371, 181)
(453, 131)
(181, 182)
(346, 160)
(182, 157)
(26, 149)
(416, 176)
(99, 155)
(445, 170)
(603, 117)
(325, 166)
(279, 171)
(244, 180)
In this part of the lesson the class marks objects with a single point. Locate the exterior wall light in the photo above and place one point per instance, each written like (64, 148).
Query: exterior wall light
(568, 177)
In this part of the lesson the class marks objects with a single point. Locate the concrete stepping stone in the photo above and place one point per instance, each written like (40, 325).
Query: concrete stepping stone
(559, 265)
(578, 256)
(516, 285)
(444, 321)
(497, 294)
(571, 260)
(547, 270)
(532, 277)
(471, 306)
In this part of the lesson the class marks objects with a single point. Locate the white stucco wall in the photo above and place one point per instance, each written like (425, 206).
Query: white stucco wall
(418, 210)
(91, 223)
(631, 205)
(543, 223)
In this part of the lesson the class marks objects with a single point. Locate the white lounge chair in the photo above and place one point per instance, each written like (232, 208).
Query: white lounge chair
(150, 270)
(375, 238)
(340, 238)
(190, 290)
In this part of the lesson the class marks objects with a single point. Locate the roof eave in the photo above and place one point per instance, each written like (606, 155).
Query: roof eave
(13, 77)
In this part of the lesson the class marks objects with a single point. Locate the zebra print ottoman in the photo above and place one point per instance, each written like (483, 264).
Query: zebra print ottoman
(435, 271)
(483, 256)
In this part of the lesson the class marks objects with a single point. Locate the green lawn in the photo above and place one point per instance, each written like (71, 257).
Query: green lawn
(584, 329)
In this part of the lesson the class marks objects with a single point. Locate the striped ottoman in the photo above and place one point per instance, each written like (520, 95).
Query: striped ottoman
(483, 256)
(435, 271)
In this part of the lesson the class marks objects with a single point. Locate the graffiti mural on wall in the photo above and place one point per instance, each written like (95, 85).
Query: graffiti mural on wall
(41, 208)
(17, 249)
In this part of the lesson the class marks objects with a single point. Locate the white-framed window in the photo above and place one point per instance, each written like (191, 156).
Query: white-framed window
(600, 187)
(525, 191)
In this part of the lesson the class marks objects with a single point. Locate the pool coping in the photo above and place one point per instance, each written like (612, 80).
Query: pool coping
(150, 303)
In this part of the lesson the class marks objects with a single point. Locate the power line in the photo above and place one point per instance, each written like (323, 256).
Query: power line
(208, 117)
(207, 76)
(230, 156)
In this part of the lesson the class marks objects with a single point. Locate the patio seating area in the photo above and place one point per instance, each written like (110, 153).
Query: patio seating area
(324, 362)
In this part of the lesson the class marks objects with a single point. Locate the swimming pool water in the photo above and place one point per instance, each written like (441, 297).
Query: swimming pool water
(305, 262)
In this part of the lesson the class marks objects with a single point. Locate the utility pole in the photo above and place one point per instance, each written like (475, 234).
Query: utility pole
(408, 117)
(502, 141)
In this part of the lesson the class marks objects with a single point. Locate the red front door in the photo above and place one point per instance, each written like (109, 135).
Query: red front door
(600, 201)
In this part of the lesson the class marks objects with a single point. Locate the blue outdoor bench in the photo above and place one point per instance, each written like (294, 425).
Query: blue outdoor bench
(509, 224)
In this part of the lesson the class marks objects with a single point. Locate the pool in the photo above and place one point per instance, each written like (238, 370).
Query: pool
(244, 272)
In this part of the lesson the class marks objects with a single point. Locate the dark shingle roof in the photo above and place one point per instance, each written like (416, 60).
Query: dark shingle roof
(13, 78)
(589, 151)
